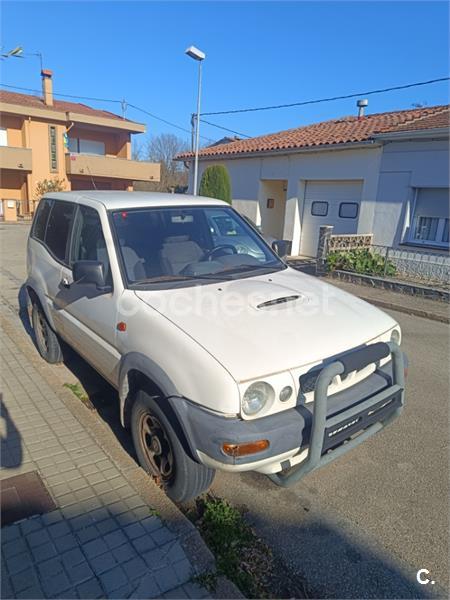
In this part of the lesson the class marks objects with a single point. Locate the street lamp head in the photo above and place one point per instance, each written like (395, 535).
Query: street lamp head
(195, 53)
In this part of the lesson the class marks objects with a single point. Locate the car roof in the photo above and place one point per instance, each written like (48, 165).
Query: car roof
(112, 200)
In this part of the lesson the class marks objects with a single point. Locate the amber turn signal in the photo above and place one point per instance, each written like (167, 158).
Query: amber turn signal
(244, 449)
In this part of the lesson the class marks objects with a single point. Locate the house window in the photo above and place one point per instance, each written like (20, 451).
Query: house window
(348, 210)
(80, 146)
(53, 148)
(319, 209)
(430, 217)
(3, 137)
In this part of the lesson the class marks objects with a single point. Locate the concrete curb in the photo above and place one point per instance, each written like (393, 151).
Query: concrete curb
(403, 287)
(406, 309)
(196, 549)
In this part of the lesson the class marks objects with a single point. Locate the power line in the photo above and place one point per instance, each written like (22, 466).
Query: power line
(331, 99)
(225, 128)
(15, 87)
(107, 100)
(146, 112)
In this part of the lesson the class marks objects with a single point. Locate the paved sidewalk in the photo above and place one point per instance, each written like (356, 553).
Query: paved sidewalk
(104, 540)
(412, 305)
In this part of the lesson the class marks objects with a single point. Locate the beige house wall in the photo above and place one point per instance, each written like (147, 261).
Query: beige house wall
(39, 141)
(29, 128)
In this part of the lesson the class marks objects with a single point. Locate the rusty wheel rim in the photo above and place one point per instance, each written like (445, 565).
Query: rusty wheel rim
(157, 446)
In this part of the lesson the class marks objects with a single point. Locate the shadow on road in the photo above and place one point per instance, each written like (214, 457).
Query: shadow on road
(11, 453)
(330, 562)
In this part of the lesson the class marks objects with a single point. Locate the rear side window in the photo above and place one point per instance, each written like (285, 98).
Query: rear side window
(40, 221)
(58, 228)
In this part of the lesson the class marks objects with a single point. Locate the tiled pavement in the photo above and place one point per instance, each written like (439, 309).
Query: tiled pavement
(103, 540)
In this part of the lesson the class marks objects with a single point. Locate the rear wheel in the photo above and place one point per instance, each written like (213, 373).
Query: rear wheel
(46, 339)
(161, 453)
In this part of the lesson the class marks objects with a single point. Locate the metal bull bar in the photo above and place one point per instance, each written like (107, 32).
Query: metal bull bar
(351, 362)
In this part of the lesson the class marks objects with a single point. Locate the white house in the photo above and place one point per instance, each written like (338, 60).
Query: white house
(386, 174)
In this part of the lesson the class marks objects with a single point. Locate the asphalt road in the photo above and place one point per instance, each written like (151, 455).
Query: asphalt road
(362, 527)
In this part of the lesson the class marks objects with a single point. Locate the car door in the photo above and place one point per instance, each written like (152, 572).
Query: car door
(48, 250)
(89, 315)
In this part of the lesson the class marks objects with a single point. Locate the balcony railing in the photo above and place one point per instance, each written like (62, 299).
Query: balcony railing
(90, 165)
(15, 159)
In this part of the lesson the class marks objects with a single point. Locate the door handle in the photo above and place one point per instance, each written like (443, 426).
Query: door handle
(65, 282)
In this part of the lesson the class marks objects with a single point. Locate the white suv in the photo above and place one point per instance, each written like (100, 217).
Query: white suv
(223, 359)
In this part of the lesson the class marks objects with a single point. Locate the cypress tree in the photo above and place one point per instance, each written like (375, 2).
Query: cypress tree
(216, 183)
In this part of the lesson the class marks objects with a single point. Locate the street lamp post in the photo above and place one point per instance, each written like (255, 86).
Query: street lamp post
(199, 56)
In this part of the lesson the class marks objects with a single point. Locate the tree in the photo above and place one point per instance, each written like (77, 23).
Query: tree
(48, 185)
(216, 183)
(163, 148)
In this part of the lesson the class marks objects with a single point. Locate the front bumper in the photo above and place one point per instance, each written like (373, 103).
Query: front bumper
(309, 435)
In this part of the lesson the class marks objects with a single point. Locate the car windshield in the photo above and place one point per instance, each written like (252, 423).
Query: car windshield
(181, 245)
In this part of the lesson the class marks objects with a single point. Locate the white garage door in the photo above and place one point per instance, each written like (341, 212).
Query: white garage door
(334, 203)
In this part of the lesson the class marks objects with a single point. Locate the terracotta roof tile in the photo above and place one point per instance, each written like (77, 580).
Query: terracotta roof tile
(335, 131)
(59, 105)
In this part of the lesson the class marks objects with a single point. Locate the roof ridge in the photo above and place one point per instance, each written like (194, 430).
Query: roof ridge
(341, 130)
(348, 119)
(58, 105)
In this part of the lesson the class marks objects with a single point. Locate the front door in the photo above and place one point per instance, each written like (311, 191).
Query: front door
(89, 315)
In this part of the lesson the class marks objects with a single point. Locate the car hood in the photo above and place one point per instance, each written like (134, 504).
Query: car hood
(267, 324)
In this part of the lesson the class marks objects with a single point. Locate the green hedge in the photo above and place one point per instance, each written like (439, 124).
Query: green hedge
(361, 260)
(216, 183)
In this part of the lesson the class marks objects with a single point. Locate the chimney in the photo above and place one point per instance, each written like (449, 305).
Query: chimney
(47, 86)
(361, 104)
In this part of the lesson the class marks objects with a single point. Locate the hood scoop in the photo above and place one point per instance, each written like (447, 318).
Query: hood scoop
(278, 301)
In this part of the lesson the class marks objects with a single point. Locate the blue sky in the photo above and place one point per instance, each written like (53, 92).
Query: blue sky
(258, 53)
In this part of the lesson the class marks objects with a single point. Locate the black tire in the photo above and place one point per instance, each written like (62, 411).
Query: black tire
(46, 339)
(161, 454)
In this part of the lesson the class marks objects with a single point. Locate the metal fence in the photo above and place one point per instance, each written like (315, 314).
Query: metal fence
(356, 253)
(420, 266)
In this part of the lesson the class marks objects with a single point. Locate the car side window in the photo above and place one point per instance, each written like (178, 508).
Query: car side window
(58, 228)
(41, 219)
(88, 242)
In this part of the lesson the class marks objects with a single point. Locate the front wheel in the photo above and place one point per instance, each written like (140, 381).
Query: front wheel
(162, 455)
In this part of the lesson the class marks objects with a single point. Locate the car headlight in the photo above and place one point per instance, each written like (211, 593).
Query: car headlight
(256, 396)
(396, 336)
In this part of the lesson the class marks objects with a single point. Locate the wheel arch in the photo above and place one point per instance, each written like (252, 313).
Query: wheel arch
(138, 373)
(34, 298)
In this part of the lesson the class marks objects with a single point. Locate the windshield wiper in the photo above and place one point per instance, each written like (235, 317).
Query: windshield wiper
(175, 278)
(224, 275)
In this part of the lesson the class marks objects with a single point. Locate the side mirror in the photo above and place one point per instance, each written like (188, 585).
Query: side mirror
(282, 247)
(90, 272)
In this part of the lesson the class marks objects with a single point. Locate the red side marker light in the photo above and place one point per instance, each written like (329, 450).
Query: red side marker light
(124, 215)
(121, 326)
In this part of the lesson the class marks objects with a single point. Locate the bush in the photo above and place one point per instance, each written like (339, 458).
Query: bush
(361, 260)
(216, 183)
(48, 185)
